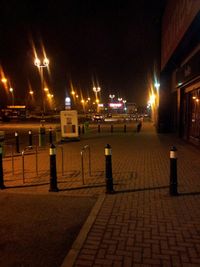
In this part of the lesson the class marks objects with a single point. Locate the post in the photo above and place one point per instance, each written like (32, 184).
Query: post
(2, 142)
(111, 128)
(173, 172)
(83, 129)
(42, 136)
(30, 139)
(79, 130)
(99, 128)
(108, 171)
(139, 126)
(125, 128)
(2, 186)
(17, 142)
(53, 172)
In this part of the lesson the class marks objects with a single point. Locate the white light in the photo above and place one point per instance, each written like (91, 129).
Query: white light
(46, 62)
(115, 105)
(157, 85)
(37, 62)
(67, 100)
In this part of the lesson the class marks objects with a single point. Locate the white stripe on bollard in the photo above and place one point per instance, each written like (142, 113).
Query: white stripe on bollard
(108, 151)
(52, 151)
(173, 154)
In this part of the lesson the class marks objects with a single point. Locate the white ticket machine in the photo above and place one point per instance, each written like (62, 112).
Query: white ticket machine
(69, 124)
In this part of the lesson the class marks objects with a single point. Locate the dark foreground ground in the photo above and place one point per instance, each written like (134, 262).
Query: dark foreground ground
(38, 230)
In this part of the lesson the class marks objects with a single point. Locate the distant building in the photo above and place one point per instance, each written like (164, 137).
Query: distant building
(179, 107)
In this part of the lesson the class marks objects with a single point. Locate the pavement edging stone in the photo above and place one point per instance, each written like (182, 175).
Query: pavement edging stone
(70, 258)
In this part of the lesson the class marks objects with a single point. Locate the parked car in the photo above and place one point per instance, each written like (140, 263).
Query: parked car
(98, 117)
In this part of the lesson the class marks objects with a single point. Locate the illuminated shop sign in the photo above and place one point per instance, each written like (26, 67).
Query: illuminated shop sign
(115, 105)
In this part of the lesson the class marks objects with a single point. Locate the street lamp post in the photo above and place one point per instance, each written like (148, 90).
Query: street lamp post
(112, 97)
(12, 93)
(97, 90)
(41, 66)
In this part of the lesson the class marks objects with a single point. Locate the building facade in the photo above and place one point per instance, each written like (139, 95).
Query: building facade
(179, 107)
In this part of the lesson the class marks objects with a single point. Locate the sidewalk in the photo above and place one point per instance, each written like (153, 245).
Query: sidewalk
(141, 225)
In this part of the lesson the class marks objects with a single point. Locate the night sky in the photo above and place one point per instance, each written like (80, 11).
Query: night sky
(114, 44)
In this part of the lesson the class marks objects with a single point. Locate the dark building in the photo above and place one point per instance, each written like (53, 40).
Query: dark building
(179, 109)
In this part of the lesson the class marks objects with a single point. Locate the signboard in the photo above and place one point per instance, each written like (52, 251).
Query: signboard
(177, 18)
(69, 124)
(189, 70)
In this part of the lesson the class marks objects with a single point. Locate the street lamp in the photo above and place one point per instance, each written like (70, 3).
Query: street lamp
(41, 65)
(97, 90)
(12, 92)
(112, 97)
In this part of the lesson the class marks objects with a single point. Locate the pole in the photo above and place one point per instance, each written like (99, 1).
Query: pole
(30, 138)
(17, 142)
(108, 171)
(125, 128)
(173, 172)
(53, 172)
(2, 186)
(42, 85)
(111, 128)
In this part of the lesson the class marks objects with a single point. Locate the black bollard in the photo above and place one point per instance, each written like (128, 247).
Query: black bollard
(50, 135)
(83, 129)
(111, 128)
(99, 128)
(53, 172)
(108, 171)
(125, 128)
(139, 126)
(17, 142)
(2, 186)
(30, 139)
(173, 172)
(79, 130)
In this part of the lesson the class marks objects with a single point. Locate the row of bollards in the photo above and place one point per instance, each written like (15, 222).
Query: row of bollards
(42, 138)
(82, 129)
(108, 170)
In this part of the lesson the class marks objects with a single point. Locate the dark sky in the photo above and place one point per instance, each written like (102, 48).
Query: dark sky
(115, 43)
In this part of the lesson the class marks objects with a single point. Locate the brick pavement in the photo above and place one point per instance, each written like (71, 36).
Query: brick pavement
(140, 225)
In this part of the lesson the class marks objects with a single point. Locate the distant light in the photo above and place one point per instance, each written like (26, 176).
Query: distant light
(101, 105)
(115, 105)
(4, 80)
(46, 61)
(180, 83)
(67, 100)
(157, 85)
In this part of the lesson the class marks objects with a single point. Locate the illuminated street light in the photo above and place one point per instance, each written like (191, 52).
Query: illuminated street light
(41, 66)
(12, 93)
(96, 90)
(4, 80)
(111, 97)
(157, 85)
(119, 99)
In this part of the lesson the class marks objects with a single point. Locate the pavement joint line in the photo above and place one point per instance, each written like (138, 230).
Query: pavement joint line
(70, 258)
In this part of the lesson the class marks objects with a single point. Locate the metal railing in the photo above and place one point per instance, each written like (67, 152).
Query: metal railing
(23, 161)
(83, 150)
